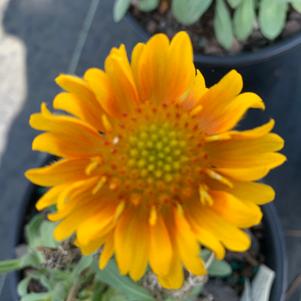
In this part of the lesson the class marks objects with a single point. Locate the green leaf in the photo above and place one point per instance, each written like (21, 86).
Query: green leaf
(37, 297)
(148, 5)
(120, 9)
(32, 259)
(243, 21)
(98, 291)
(223, 25)
(23, 286)
(195, 292)
(42, 275)
(235, 3)
(189, 11)
(10, 265)
(46, 235)
(61, 291)
(32, 230)
(113, 295)
(83, 263)
(56, 276)
(272, 17)
(111, 276)
(205, 254)
(191, 295)
(39, 232)
(219, 269)
(296, 5)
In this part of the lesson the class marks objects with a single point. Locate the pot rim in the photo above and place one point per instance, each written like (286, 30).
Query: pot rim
(240, 59)
(248, 58)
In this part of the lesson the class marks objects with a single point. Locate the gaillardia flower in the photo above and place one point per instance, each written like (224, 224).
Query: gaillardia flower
(152, 169)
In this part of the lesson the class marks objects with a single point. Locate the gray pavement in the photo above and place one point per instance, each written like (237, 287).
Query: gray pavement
(38, 40)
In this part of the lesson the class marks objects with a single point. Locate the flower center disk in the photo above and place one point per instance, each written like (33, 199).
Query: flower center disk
(157, 152)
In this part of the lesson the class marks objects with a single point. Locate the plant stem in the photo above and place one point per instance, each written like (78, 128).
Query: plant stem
(74, 291)
(209, 260)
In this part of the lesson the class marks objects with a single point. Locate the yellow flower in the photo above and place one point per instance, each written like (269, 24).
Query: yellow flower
(151, 167)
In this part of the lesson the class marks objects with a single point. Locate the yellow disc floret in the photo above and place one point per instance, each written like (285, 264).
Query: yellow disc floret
(157, 151)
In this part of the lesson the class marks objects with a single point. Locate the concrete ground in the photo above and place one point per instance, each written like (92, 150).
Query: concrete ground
(38, 40)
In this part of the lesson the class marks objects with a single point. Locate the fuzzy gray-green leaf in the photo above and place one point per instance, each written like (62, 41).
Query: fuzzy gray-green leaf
(61, 291)
(148, 5)
(189, 11)
(243, 21)
(111, 276)
(32, 259)
(113, 295)
(37, 297)
(296, 5)
(120, 9)
(39, 232)
(98, 291)
(235, 3)
(83, 263)
(219, 269)
(272, 17)
(10, 265)
(23, 286)
(223, 24)
(43, 277)
(46, 235)
(32, 230)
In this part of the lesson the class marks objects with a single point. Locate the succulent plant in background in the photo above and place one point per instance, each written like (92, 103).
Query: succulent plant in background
(232, 18)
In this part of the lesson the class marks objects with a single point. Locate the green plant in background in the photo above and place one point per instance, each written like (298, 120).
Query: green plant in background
(232, 18)
(63, 274)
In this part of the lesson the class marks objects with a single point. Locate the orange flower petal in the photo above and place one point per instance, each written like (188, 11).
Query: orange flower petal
(106, 253)
(258, 193)
(231, 237)
(196, 92)
(59, 172)
(74, 85)
(174, 280)
(69, 225)
(188, 248)
(97, 225)
(119, 73)
(160, 248)
(207, 239)
(217, 98)
(242, 214)
(91, 247)
(255, 152)
(227, 117)
(50, 197)
(253, 133)
(88, 111)
(180, 70)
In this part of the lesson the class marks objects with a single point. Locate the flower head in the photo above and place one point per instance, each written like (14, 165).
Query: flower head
(151, 168)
